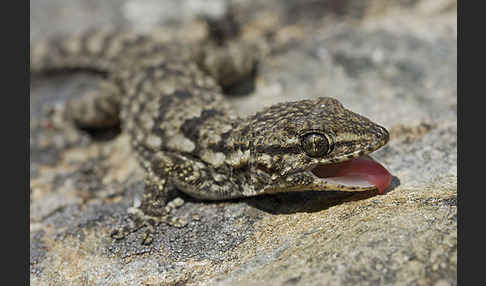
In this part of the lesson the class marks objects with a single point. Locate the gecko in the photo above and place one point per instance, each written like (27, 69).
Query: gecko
(168, 97)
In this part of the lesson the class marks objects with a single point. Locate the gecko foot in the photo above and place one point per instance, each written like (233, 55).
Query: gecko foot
(138, 219)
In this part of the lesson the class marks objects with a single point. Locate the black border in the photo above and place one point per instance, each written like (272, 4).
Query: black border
(14, 114)
(26, 64)
(470, 145)
(22, 91)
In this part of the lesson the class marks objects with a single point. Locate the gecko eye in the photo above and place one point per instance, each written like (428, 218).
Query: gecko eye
(315, 144)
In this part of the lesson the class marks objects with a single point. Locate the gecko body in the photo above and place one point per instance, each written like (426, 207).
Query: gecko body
(168, 98)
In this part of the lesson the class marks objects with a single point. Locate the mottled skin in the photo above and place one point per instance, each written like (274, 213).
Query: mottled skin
(168, 98)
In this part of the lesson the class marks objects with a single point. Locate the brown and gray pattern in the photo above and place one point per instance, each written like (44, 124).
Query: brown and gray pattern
(168, 99)
(396, 64)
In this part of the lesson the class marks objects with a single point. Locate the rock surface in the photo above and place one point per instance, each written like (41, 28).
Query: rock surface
(395, 63)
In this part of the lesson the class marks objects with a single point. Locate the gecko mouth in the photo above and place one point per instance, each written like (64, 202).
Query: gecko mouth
(362, 173)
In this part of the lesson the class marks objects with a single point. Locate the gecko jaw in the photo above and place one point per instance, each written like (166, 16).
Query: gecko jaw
(359, 174)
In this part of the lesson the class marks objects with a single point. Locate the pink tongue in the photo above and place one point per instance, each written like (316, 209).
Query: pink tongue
(364, 168)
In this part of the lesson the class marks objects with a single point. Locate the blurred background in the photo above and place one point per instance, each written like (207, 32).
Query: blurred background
(392, 61)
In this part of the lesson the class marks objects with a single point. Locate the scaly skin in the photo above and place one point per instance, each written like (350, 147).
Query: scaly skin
(184, 132)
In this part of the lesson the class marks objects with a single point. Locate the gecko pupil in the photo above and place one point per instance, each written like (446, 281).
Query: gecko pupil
(315, 145)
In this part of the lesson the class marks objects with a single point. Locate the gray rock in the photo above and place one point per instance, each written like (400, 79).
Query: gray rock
(393, 62)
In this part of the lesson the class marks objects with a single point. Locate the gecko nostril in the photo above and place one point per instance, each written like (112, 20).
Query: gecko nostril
(384, 134)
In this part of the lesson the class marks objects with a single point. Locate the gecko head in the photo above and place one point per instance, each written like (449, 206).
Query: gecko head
(317, 145)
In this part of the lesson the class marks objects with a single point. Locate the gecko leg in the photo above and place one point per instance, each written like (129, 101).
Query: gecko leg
(96, 109)
(153, 210)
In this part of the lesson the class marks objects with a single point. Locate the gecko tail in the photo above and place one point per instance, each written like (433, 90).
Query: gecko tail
(95, 50)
